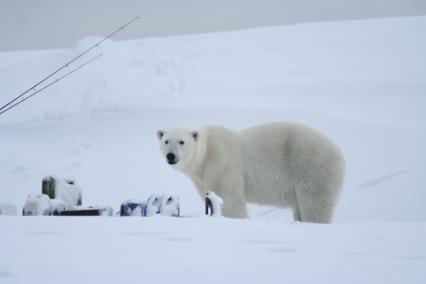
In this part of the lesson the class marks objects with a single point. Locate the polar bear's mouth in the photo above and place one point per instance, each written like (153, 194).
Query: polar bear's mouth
(172, 162)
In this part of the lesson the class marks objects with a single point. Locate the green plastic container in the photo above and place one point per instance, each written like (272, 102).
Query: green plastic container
(49, 186)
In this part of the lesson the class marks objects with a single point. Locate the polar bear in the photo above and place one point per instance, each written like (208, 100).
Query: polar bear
(281, 164)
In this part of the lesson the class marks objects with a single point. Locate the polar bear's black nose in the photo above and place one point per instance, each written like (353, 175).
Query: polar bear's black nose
(171, 157)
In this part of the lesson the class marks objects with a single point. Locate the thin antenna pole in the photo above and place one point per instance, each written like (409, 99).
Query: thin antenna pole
(69, 62)
(58, 79)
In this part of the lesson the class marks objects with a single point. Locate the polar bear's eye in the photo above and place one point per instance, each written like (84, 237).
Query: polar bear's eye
(181, 142)
(166, 142)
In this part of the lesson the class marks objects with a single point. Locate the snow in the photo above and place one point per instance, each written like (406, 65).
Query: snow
(170, 206)
(164, 204)
(208, 250)
(67, 191)
(8, 209)
(37, 205)
(360, 82)
(214, 204)
(41, 204)
(153, 205)
(56, 206)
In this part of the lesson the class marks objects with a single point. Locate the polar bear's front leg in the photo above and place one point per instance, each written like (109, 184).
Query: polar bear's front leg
(229, 187)
(234, 208)
(200, 186)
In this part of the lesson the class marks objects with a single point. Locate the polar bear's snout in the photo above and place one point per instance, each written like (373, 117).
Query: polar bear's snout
(171, 158)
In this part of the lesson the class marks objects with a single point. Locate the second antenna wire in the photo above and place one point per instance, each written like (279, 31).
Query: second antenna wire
(64, 66)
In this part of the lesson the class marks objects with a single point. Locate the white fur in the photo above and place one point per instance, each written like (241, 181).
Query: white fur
(279, 164)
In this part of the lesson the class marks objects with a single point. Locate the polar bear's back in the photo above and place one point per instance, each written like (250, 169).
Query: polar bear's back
(278, 157)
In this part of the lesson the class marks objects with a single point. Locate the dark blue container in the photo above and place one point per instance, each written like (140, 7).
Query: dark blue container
(131, 208)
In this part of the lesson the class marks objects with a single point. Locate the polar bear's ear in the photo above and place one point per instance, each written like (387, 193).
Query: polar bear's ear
(160, 134)
(195, 135)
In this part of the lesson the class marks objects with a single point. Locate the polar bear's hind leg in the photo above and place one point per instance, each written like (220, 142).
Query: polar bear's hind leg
(316, 205)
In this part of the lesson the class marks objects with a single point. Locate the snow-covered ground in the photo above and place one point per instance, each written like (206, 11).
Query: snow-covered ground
(360, 82)
(208, 250)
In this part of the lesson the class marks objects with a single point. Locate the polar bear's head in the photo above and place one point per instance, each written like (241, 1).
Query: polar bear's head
(178, 146)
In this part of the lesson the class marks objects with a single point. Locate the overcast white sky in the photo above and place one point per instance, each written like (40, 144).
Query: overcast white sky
(37, 24)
